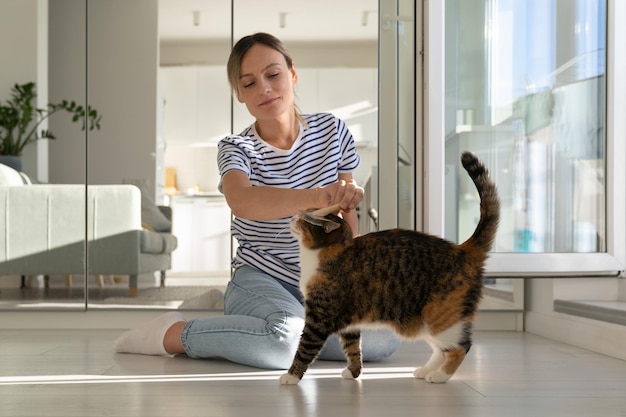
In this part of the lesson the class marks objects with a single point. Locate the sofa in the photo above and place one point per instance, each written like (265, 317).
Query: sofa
(45, 227)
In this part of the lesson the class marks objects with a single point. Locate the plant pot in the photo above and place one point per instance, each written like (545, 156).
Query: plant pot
(12, 161)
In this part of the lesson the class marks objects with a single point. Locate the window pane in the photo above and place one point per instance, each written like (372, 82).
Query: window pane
(525, 90)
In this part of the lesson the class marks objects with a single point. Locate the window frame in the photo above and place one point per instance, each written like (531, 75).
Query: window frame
(609, 263)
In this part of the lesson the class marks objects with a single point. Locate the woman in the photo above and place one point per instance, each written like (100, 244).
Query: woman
(283, 163)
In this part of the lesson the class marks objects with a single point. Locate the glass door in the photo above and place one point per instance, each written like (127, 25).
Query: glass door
(527, 93)
(400, 125)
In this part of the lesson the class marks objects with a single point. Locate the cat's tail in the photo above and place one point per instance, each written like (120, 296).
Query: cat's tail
(485, 232)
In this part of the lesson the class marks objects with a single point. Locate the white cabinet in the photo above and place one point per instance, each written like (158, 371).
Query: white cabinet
(202, 227)
(196, 103)
(325, 89)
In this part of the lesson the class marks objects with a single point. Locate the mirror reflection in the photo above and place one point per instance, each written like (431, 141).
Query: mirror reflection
(337, 72)
(158, 230)
(162, 137)
(43, 222)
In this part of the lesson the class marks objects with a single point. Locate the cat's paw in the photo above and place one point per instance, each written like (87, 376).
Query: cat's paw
(429, 375)
(288, 379)
(437, 377)
(347, 374)
(421, 372)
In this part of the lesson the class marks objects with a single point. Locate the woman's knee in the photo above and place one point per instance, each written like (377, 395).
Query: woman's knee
(283, 338)
(255, 294)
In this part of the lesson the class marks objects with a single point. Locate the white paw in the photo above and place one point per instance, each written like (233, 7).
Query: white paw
(288, 379)
(347, 374)
(429, 375)
(421, 372)
(437, 377)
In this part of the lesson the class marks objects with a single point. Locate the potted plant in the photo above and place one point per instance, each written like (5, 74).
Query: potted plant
(20, 119)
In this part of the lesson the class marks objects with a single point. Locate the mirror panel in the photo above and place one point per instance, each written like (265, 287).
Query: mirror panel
(128, 246)
(195, 42)
(42, 265)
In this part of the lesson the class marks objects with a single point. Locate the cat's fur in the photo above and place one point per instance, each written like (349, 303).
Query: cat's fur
(420, 285)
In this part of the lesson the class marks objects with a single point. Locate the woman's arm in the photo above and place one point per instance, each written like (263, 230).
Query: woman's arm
(269, 203)
(264, 202)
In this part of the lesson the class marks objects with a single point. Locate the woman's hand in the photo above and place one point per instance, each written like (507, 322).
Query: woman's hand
(345, 192)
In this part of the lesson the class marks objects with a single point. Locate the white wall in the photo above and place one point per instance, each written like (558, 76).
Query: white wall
(305, 54)
(67, 81)
(540, 318)
(19, 53)
(20, 57)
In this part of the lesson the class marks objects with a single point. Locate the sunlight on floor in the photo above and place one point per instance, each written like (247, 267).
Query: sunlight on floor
(368, 374)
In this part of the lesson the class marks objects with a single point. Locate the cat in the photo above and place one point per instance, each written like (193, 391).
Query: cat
(420, 285)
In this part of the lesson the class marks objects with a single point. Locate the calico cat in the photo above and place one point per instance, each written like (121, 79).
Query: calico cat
(420, 285)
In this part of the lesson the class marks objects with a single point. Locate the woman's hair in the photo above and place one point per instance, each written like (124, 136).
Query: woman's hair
(241, 48)
(233, 68)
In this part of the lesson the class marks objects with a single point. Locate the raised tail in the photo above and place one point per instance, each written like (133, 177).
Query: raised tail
(485, 232)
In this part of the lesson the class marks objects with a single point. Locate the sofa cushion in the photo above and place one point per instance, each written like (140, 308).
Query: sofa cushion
(154, 242)
(151, 217)
(9, 176)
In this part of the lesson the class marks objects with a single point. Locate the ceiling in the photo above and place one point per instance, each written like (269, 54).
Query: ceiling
(319, 20)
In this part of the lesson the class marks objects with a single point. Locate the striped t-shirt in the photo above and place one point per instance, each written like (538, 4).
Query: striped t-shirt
(323, 149)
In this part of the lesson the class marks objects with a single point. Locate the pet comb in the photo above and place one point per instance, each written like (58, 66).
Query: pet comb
(317, 218)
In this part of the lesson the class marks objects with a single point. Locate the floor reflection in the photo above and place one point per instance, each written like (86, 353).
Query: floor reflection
(195, 293)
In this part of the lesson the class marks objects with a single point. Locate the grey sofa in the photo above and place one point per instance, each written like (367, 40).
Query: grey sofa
(45, 227)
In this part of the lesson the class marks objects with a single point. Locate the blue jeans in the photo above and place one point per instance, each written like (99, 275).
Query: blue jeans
(262, 325)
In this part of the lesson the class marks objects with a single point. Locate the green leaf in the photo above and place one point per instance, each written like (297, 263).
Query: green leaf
(20, 118)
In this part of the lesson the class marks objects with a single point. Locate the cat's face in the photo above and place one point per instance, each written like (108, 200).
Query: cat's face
(313, 231)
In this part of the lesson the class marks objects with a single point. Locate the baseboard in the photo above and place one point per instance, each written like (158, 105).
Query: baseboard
(124, 319)
(597, 336)
(608, 311)
(500, 320)
(84, 320)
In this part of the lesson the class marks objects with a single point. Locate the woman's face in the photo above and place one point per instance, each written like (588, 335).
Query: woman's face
(265, 83)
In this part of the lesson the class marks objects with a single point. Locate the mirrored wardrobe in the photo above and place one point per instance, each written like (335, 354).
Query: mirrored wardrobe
(125, 213)
(131, 216)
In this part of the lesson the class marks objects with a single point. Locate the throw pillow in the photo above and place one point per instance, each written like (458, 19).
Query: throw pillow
(151, 216)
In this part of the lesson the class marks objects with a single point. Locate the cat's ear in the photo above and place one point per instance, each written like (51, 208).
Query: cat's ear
(330, 225)
(318, 218)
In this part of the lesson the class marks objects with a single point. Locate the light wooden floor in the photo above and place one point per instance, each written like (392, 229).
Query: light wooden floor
(76, 373)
